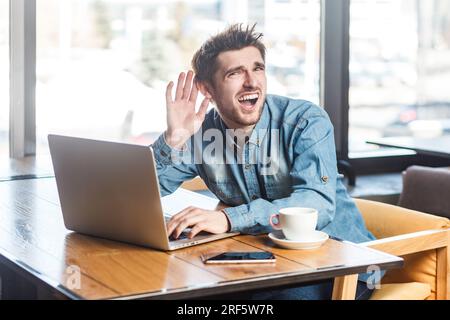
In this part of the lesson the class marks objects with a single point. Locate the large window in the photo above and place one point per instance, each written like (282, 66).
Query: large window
(399, 70)
(4, 79)
(102, 66)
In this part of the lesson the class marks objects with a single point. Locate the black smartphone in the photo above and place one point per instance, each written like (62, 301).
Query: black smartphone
(242, 257)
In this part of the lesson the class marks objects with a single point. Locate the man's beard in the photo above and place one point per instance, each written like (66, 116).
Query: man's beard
(235, 117)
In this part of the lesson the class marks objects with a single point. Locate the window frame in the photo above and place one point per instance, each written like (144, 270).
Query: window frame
(334, 85)
(22, 44)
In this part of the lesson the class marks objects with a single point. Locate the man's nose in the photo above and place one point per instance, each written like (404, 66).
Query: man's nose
(250, 80)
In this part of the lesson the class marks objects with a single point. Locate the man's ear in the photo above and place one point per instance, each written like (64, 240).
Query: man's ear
(204, 88)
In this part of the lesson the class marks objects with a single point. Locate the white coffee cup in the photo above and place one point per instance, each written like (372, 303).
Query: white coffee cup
(297, 223)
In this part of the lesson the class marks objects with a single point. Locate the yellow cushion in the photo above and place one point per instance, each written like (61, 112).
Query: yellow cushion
(402, 291)
(385, 220)
(418, 267)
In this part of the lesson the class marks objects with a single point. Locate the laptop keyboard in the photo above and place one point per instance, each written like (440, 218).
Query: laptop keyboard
(184, 234)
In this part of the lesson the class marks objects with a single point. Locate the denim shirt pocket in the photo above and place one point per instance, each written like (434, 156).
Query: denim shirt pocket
(276, 191)
(227, 192)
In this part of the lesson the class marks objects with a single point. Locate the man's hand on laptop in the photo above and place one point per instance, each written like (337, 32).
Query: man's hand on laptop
(182, 120)
(199, 220)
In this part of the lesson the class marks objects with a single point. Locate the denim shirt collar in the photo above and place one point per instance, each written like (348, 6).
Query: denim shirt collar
(261, 127)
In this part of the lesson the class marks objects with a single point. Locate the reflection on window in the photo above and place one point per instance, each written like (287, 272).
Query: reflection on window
(4, 79)
(399, 70)
(102, 66)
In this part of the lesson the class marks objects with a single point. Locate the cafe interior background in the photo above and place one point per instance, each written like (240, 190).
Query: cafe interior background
(380, 68)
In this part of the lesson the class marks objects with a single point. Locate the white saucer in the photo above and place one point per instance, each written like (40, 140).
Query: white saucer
(317, 239)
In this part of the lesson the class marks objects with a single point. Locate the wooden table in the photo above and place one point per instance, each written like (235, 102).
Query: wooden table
(25, 168)
(438, 146)
(39, 258)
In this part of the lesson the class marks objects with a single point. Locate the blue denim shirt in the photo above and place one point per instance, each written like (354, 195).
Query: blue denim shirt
(288, 161)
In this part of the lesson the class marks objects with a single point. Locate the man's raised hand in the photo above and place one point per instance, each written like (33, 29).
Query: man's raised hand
(182, 120)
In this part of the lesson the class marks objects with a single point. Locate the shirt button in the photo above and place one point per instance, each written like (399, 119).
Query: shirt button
(325, 179)
(254, 197)
(163, 153)
(247, 166)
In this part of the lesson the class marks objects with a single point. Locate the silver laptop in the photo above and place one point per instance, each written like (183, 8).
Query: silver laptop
(111, 190)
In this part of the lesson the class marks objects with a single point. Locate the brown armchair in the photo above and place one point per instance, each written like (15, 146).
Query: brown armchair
(423, 190)
(421, 239)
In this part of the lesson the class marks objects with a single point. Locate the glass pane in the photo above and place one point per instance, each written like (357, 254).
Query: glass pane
(4, 79)
(399, 70)
(102, 66)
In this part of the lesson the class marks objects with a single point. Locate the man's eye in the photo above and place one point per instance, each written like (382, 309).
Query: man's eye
(259, 68)
(233, 73)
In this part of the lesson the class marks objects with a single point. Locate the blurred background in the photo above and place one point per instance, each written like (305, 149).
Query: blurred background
(102, 66)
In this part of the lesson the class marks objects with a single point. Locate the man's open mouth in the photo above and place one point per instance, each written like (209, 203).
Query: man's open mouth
(248, 100)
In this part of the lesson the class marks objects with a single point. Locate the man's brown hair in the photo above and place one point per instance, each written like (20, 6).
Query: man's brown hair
(234, 37)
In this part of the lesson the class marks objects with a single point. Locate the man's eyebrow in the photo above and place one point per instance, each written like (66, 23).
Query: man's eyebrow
(256, 64)
(234, 69)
